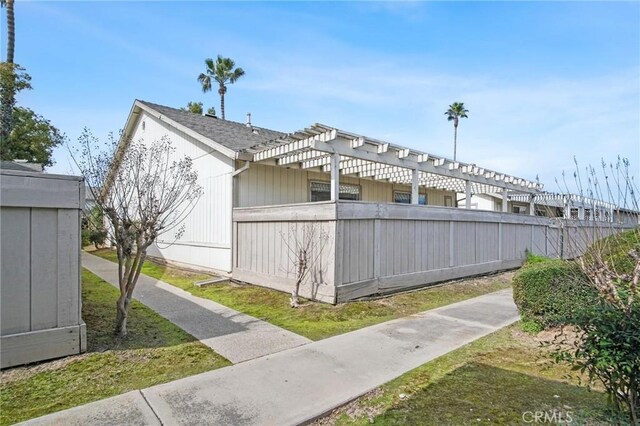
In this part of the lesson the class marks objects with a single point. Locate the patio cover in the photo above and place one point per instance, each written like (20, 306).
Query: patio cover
(330, 149)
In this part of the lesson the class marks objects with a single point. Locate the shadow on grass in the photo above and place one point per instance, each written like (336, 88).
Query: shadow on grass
(479, 393)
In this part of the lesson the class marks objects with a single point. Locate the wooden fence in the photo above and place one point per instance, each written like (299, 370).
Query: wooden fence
(40, 297)
(374, 248)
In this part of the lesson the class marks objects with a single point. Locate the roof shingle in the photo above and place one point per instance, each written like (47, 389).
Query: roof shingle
(231, 134)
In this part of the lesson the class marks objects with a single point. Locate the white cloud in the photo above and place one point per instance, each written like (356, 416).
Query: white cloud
(534, 126)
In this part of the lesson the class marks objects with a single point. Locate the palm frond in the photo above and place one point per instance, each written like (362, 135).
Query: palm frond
(237, 73)
(210, 65)
(205, 81)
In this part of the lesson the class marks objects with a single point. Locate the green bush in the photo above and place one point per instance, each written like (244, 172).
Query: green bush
(614, 250)
(86, 236)
(552, 292)
(534, 258)
(98, 237)
(608, 350)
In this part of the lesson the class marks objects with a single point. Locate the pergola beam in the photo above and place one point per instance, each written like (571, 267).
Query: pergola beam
(343, 147)
(300, 157)
(297, 145)
(314, 147)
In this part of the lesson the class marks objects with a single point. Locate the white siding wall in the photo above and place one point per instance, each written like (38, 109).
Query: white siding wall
(207, 237)
(264, 185)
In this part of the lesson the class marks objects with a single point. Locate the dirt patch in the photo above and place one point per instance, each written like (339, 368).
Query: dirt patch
(499, 277)
(552, 338)
(357, 408)
(26, 371)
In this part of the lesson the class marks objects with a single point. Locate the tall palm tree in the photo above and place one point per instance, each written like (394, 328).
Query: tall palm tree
(8, 98)
(11, 29)
(455, 112)
(222, 71)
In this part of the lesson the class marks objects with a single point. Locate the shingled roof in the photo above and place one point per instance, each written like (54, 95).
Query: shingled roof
(231, 134)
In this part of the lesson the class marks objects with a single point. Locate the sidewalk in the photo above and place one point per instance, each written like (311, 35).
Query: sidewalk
(235, 336)
(300, 384)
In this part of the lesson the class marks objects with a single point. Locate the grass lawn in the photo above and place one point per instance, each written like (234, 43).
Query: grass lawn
(319, 320)
(492, 380)
(156, 351)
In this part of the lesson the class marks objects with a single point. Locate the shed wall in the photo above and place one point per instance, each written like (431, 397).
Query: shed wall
(40, 293)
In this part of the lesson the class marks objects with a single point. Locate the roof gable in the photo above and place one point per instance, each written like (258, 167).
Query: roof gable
(230, 134)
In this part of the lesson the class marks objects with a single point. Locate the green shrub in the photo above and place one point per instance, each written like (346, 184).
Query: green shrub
(98, 237)
(552, 292)
(531, 327)
(86, 237)
(608, 350)
(534, 258)
(614, 250)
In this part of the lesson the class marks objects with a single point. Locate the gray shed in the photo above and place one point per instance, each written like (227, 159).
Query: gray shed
(40, 290)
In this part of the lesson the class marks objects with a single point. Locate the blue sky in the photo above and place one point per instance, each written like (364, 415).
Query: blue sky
(543, 81)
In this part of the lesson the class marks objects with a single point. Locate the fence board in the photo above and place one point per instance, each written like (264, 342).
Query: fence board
(15, 271)
(388, 247)
(44, 273)
(40, 304)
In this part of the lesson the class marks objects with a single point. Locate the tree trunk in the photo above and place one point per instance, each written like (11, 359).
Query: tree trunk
(122, 306)
(9, 95)
(294, 301)
(302, 269)
(128, 276)
(221, 91)
(455, 140)
(11, 31)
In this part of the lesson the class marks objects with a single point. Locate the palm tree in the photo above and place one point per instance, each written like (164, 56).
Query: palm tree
(222, 71)
(454, 113)
(11, 29)
(8, 93)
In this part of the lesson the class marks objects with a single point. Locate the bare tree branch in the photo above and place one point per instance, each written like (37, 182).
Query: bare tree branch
(143, 191)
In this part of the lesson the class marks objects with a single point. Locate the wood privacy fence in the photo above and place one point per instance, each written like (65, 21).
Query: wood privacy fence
(374, 248)
(40, 297)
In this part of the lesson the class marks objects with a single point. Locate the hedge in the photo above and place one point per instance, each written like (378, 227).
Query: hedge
(552, 292)
(615, 249)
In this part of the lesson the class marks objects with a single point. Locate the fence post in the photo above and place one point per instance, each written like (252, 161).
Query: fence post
(561, 240)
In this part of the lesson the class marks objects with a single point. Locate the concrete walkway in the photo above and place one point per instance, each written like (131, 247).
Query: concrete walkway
(300, 384)
(235, 336)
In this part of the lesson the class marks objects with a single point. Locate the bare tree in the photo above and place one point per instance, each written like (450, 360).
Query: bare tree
(144, 191)
(607, 346)
(304, 250)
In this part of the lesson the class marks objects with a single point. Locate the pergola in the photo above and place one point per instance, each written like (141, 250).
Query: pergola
(343, 153)
(568, 201)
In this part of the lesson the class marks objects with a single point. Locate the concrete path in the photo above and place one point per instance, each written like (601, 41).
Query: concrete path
(300, 384)
(235, 336)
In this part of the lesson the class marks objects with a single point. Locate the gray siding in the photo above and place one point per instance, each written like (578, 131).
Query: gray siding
(379, 248)
(263, 185)
(40, 277)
